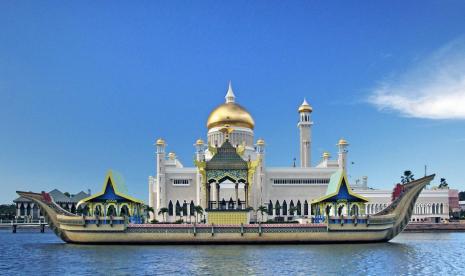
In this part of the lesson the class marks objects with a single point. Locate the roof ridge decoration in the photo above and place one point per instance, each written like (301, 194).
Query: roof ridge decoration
(111, 179)
(335, 182)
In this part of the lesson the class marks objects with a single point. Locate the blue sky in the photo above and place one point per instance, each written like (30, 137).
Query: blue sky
(87, 86)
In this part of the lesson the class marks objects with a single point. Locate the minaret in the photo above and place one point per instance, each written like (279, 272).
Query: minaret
(199, 156)
(305, 127)
(230, 97)
(160, 187)
(260, 188)
(342, 155)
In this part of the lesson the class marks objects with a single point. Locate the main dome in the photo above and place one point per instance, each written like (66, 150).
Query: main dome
(232, 114)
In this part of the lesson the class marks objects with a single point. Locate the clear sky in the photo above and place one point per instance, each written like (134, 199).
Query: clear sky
(86, 86)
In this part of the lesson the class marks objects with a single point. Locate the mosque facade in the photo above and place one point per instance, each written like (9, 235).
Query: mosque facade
(230, 173)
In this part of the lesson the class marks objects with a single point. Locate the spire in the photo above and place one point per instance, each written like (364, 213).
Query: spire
(230, 97)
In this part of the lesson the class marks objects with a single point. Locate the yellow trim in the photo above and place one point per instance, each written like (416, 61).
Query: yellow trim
(109, 176)
(343, 177)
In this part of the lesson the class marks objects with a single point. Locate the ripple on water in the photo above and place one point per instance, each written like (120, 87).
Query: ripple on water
(408, 254)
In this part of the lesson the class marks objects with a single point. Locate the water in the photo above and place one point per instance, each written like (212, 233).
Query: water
(33, 253)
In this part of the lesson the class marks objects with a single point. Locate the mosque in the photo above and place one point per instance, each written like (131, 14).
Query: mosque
(230, 170)
(230, 177)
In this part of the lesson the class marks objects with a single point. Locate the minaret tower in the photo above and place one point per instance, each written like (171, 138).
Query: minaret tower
(200, 157)
(160, 187)
(342, 155)
(305, 127)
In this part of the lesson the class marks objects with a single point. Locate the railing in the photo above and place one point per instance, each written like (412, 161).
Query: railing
(226, 205)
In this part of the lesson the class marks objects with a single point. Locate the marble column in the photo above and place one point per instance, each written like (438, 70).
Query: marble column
(217, 195)
(246, 190)
(237, 194)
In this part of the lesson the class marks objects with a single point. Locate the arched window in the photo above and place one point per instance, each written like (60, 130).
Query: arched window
(192, 208)
(277, 208)
(291, 208)
(354, 210)
(111, 211)
(178, 208)
(284, 208)
(124, 211)
(170, 208)
(305, 208)
(270, 208)
(184, 208)
(441, 210)
(98, 210)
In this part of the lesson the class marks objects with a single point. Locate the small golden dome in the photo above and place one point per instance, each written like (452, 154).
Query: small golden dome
(199, 142)
(160, 142)
(326, 155)
(260, 142)
(342, 142)
(230, 114)
(171, 155)
(305, 107)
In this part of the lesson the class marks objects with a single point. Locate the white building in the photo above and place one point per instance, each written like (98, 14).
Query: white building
(230, 171)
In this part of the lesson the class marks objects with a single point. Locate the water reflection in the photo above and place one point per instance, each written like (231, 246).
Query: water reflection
(432, 253)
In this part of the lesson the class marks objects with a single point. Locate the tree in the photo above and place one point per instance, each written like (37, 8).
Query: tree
(293, 209)
(262, 209)
(198, 211)
(277, 209)
(407, 177)
(7, 211)
(162, 212)
(149, 210)
(443, 184)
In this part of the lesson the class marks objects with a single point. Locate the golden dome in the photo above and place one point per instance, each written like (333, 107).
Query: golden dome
(260, 142)
(160, 142)
(305, 107)
(199, 142)
(343, 142)
(230, 114)
(326, 154)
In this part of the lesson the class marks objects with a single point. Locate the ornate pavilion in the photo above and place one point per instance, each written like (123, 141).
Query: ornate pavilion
(339, 200)
(113, 201)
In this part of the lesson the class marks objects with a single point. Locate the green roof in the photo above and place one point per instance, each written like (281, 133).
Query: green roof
(226, 158)
(334, 186)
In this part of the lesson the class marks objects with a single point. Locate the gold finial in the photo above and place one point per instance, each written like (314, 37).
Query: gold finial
(160, 142)
(342, 142)
(305, 107)
(260, 142)
(326, 155)
(199, 142)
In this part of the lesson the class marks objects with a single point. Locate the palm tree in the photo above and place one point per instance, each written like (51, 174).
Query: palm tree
(149, 210)
(162, 212)
(277, 208)
(262, 209)
(407, 177)
(443, 184)
(198, 211)
(292, 210)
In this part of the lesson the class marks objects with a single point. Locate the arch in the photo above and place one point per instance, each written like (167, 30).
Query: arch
(192, 208)
(98, 210)
(230, 203)
(170, 208)
(441, 209)
(284, 208)
(270, 208)
(178, 208)
(340, 210)
(354, 210)
(328, 210)
(124, 210)
(184, 208)
(291, 208)
(277, 208)
(111, 210)
(433, 209)
(305, 208)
